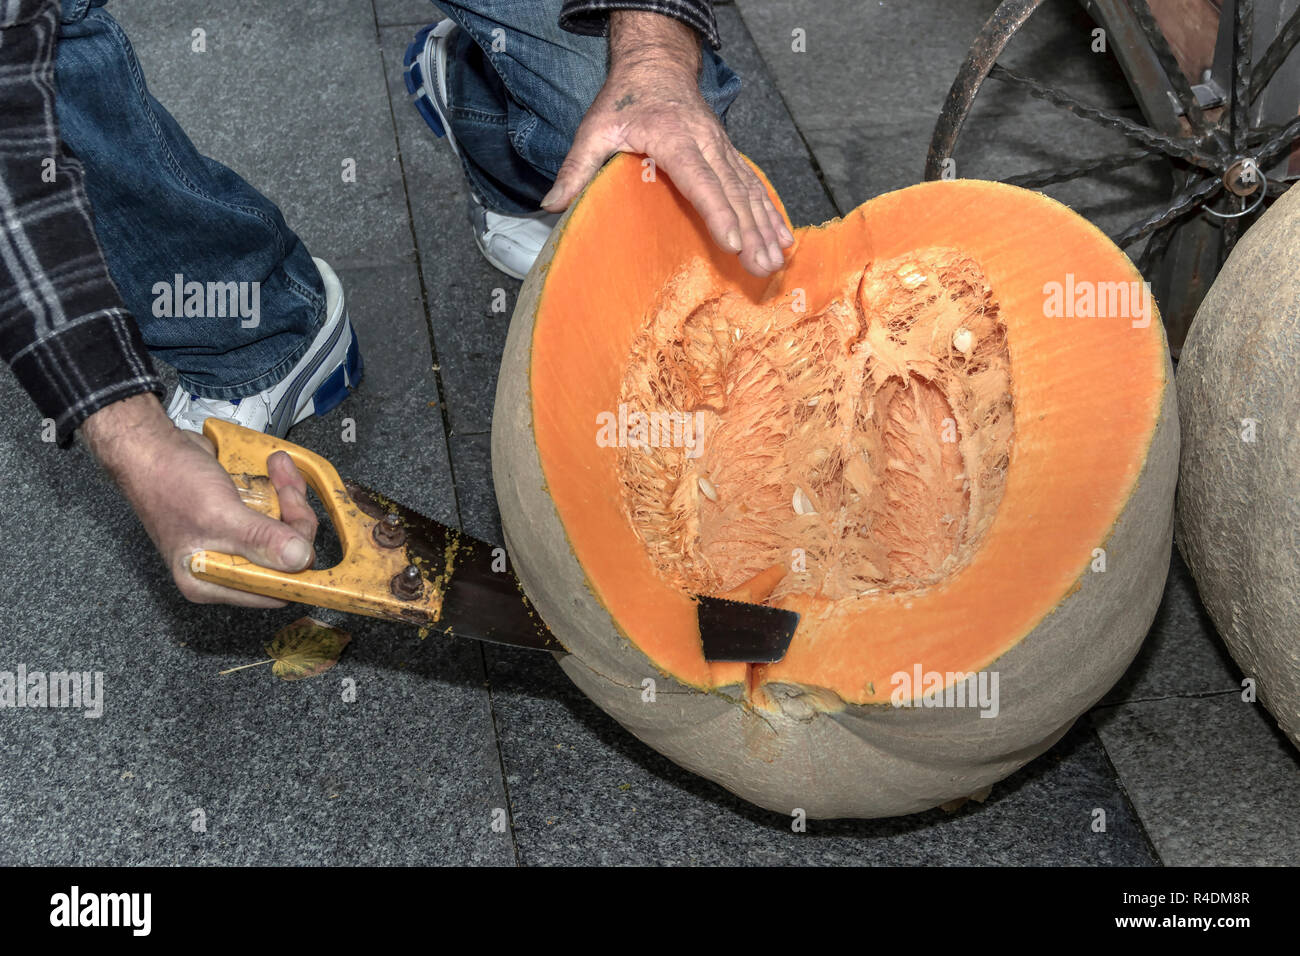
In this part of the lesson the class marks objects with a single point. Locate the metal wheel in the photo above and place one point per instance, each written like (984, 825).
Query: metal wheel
(1219, 93)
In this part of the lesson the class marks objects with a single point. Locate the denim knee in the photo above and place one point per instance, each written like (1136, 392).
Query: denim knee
(549, 77)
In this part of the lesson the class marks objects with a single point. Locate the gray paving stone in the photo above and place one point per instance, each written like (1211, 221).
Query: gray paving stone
(761, 127)
(890, 54)
(284, 94)
(285, 773)
(405, 12)
(868, 91)
(397, 444)
(1213, 778)
(758, 122)
(805, 198)
(471, 462)
(870, 82)
(469, 317)
(583, 790)
(860, 162)
(1183, 654)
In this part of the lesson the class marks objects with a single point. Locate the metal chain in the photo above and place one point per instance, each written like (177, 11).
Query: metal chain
(1143, 134)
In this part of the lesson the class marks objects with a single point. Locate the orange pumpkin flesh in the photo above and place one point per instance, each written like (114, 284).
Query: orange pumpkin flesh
(1085, 398)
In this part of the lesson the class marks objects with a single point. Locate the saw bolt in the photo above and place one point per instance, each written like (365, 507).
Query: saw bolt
(388, 532)
(407, 584)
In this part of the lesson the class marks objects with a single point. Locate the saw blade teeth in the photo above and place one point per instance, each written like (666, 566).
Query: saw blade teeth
(735, 603)
(746, 604)
(388, 505)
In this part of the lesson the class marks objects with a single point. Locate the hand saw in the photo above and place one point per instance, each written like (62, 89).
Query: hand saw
(399, 565)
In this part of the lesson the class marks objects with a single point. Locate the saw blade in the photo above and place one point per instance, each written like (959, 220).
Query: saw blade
(481, 596)
(746, 633)
(483, 599)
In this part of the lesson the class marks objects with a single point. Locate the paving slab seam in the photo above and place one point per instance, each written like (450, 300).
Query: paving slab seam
(424, 290)
(501, 757)
(1123, 792)
(812, 156)
(1190, 695)
(446, 423)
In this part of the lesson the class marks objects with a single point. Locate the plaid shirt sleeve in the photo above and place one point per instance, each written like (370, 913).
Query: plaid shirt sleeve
(591, 17)
(64, 330)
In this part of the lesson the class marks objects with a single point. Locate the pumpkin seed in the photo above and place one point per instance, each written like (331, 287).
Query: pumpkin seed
(802, 503)
(962, 340)
(707, 489)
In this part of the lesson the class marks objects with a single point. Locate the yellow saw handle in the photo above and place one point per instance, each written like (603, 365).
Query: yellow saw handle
(362, 581)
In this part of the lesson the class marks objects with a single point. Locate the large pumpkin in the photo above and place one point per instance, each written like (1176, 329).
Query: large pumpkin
(1239, 494)
(939, 433)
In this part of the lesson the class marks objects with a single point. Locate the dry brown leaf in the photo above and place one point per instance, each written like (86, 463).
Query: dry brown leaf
(306, 648)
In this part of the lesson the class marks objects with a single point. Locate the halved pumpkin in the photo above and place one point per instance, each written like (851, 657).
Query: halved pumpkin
(945, 434)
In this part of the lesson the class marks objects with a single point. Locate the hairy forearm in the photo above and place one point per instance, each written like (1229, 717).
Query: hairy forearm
(122, 435)
(640, 41)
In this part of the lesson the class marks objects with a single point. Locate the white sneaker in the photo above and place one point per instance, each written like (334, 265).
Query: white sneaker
(511, 243)
(318, 381)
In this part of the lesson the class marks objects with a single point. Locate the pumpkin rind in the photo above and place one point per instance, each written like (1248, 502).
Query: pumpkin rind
(829, 758)
(1239, 500)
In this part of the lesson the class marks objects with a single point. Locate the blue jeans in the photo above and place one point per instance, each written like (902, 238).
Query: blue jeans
(162, 209)
(518, 86)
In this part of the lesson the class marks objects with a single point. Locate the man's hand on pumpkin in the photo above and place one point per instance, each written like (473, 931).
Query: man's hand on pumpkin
(651, 104)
